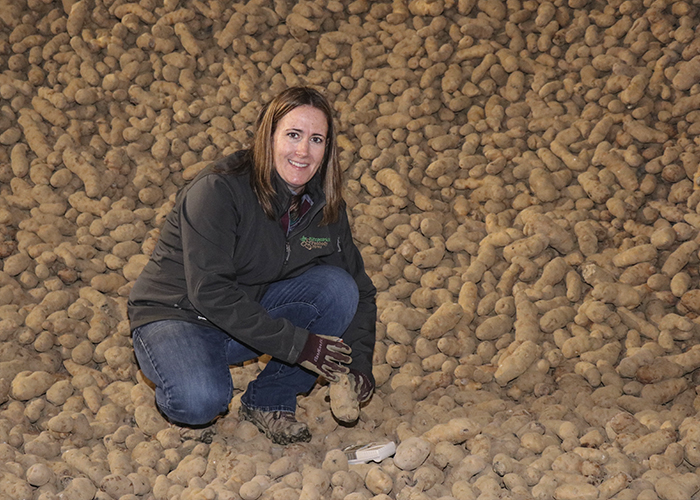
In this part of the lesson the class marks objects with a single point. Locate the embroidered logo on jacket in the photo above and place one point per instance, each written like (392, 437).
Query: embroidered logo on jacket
(314, 243)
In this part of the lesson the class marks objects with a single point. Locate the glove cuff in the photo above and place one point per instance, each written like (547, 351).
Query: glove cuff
(311, 351)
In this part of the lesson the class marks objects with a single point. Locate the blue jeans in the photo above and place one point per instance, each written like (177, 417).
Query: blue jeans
(189, 363)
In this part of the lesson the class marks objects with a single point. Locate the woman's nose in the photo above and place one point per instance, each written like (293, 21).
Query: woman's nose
(302, 148)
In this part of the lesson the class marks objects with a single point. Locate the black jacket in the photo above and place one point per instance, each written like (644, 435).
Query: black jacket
(218, 252)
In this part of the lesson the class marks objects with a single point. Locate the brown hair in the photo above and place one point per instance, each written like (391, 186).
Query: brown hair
(263, 160)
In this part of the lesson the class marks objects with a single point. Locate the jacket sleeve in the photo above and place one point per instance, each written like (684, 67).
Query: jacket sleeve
(361, 332)
(208, 223)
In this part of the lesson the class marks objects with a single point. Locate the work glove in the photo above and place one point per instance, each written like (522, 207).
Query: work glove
(323, 355)
(362, 385)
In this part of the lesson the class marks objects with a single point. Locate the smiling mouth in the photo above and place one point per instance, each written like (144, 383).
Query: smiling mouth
(298, 165)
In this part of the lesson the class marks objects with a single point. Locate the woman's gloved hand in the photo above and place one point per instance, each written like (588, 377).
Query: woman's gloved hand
(362, 385)
(323, 355)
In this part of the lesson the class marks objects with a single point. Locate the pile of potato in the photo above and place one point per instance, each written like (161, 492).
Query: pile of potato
(522, 180)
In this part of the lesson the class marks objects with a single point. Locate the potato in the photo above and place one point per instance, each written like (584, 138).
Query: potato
(411, 453)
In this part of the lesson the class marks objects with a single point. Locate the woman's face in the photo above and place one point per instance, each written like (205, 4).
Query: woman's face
(299, 144)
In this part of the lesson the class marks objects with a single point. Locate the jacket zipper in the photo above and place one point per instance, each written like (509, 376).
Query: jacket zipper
(303, 225)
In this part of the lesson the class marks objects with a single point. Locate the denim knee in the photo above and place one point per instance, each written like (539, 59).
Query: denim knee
(340, 284)
(322, 299)
(339, 290)
(196, 407)
(187, 363)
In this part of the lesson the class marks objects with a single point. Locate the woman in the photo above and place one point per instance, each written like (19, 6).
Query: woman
(238, 272)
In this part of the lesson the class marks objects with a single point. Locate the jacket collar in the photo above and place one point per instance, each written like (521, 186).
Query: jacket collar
(284, 195)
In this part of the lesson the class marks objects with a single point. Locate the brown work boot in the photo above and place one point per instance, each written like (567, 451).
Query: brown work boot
(280, 427)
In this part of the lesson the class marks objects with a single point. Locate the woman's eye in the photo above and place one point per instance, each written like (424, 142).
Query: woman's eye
(293, 135)
(317, 140)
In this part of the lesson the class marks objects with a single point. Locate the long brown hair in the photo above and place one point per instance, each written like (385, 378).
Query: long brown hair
(263, 159)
